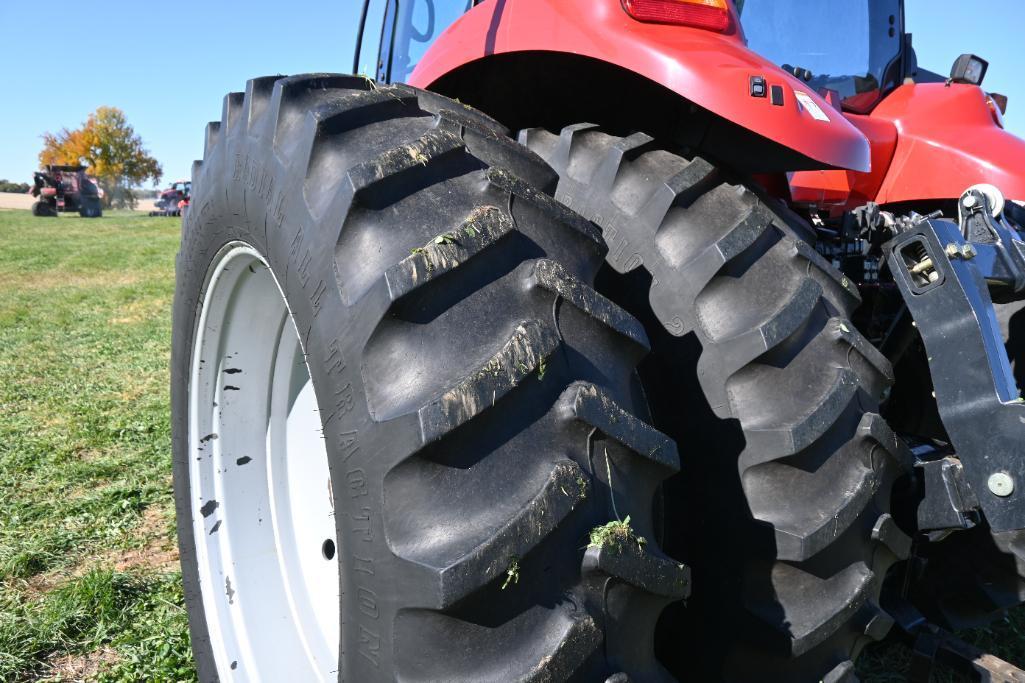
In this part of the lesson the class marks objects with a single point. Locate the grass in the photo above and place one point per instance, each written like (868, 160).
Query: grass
(89, 583)
(615, 535)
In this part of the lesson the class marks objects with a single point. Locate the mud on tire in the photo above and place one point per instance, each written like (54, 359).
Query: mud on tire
(479, 399)
(789, 464)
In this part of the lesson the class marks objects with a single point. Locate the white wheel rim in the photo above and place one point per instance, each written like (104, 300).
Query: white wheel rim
(263, 527)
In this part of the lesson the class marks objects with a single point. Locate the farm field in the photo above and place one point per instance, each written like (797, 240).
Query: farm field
(13, 200)
(89, 580)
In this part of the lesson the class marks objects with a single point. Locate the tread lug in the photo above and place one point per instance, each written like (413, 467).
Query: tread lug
(642, 569)
(551, 276)
(587, 403)
(521, 355)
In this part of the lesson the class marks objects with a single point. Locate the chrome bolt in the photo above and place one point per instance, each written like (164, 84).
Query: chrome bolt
(969, 201)
(952, 250)
(968, 251)
(922, 266)
(934, 276)
(1000, 484)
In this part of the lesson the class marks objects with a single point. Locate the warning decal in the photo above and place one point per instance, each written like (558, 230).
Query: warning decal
(808, 103)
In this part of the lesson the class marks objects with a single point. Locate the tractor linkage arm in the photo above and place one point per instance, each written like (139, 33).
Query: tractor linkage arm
(949, 276)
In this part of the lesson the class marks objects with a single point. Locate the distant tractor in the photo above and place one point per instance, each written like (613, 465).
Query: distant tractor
(172, 201)
(66, 188)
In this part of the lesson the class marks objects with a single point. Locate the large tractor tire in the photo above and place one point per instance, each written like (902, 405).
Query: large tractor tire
(772, 396)
(400, 407)
(44, 209)
(90, 208)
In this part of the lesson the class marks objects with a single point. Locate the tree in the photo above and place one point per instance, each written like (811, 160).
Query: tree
(110, 149)
(8, 186)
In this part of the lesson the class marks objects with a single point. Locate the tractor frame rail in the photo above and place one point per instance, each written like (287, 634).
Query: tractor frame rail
(949, 276)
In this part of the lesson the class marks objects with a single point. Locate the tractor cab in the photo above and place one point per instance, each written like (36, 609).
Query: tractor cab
(395, 35)
(851, 52)
(853, 48)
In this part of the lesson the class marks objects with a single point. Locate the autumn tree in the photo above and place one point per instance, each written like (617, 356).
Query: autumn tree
(110, 149)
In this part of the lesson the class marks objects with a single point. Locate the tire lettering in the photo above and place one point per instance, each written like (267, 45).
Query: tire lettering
(335, 361)
(362, 525)
(349, 444)
(369, 645)
(367, 601)
(357, 483)
(363, 565)
(316, 296)
(343, 401)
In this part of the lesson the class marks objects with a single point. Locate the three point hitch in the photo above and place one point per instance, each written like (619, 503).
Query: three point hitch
(949, 276)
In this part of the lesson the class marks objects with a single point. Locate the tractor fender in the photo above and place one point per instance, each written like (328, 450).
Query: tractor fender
(947, 140)
(712, 70)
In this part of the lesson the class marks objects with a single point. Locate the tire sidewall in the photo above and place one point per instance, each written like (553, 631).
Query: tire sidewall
(246, 194)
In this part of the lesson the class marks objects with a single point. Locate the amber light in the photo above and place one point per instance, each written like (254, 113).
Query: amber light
(713, 15)
(997, 105)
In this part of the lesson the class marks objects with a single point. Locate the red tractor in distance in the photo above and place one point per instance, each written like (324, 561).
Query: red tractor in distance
(65, 188)
(601, 340)
(174, 200)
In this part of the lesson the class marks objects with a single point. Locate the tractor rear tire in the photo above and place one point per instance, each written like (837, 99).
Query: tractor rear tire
(43, 210)
(772, 396)
(91, 208)
(479, 408)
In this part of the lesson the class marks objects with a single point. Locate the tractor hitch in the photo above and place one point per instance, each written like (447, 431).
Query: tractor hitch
(949, 276)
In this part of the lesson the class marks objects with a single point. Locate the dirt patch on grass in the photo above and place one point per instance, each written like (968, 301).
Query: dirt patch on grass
(38, 584)
(141, 310)
(159, 554)
(58, 279)
(17, 200)
(80, 667)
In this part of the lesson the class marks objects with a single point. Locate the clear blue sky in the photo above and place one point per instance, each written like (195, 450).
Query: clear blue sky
(168, 66)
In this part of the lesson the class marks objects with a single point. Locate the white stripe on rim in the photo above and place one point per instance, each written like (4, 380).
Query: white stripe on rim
(263, 513)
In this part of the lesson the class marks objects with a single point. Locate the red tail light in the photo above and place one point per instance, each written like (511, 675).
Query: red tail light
(713, 15)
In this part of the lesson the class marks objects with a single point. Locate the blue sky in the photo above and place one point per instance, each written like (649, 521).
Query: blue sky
(168, 66)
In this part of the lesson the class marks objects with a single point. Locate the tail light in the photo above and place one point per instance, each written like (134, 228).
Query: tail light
(713, 15)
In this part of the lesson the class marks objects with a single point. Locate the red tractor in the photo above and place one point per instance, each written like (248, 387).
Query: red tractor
(65, 188)
(174, 200)
(632, 340)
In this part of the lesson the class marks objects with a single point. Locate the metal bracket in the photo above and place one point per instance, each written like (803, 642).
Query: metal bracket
(934, 644)
(949, 502)
(945, 280)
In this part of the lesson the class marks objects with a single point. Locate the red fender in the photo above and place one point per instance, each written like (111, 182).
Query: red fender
(712, 70)
(839, 191)
(947, 140)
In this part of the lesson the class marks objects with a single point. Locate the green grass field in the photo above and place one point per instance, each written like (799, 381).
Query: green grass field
(89, 581)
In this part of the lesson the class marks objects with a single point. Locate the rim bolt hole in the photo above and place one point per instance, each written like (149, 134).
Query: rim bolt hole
(327, 549)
